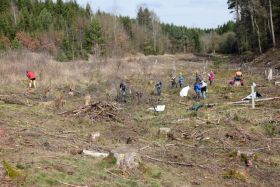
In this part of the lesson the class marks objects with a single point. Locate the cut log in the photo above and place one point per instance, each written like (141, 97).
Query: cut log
(14, 101)
(95, 154)
(169, 162)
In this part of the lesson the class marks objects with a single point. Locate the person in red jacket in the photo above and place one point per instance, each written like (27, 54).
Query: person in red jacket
(32, 77)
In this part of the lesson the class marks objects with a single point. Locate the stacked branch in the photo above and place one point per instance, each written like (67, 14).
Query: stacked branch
(98, 111)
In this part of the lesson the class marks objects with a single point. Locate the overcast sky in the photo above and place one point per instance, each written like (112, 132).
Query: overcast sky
(191, 13)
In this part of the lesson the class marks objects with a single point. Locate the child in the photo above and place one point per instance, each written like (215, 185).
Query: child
(211, 77)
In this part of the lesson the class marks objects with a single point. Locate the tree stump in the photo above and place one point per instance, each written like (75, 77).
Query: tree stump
(87, 100)
(95, 136)
(126, 158)
(270, 74)
(164, 132)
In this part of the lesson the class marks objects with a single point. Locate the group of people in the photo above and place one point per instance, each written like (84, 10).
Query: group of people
(181, 81)
(200, 86)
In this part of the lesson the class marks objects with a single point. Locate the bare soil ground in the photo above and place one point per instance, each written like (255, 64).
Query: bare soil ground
(223, 145)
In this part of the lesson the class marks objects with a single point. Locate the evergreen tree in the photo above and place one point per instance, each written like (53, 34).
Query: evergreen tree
(88, 11)
(4, 5)
(93, 35)
(45, 19)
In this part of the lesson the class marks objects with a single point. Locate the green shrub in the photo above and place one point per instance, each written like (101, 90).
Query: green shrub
(16, 44)
(270, 129)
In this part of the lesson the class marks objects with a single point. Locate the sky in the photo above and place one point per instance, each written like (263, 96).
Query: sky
(190, 13)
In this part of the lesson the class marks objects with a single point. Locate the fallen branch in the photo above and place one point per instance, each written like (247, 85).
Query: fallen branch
(179, 120)
(272, 138)
(12, 101)
(206, 132)
(185, 104)
(67, 184)
(143, 148)
(257, 100)
(168, 162)
(97, 111)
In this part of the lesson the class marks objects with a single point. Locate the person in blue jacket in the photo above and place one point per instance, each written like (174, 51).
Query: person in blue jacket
(197, 89)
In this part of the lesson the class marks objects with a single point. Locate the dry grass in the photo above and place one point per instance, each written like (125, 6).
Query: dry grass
(14, 66)
(46, 145)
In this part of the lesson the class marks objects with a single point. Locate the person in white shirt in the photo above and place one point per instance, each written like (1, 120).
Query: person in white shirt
(203, 89)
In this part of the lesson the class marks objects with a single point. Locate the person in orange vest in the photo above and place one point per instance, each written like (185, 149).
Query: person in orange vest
(32, 77)
(239, 77)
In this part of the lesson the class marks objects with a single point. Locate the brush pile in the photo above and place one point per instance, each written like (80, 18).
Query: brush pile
(99, 111)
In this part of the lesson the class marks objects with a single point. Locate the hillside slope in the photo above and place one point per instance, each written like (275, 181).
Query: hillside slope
(223, 145)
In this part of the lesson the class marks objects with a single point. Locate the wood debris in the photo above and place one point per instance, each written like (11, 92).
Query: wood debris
(97, 112)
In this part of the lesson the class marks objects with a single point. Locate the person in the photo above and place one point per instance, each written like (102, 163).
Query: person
(32, 78)
(238, 77)
(123, 91)
(173, 81)
(203, 89)
(198, 77)
(211, 77)
(197, 89)
(159, 87)
(181, 80)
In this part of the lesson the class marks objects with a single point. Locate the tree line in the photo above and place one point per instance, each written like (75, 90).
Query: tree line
(68, 31)
(257, 24)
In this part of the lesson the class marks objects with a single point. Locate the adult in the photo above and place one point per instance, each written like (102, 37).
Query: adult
(158, 87)
(181, 80)
(32, 78)
(197, 89)
(203, 89)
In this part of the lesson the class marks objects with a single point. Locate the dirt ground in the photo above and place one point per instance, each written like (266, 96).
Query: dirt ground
(219, 145)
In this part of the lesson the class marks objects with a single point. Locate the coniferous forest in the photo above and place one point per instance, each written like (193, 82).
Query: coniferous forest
(68, 31)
